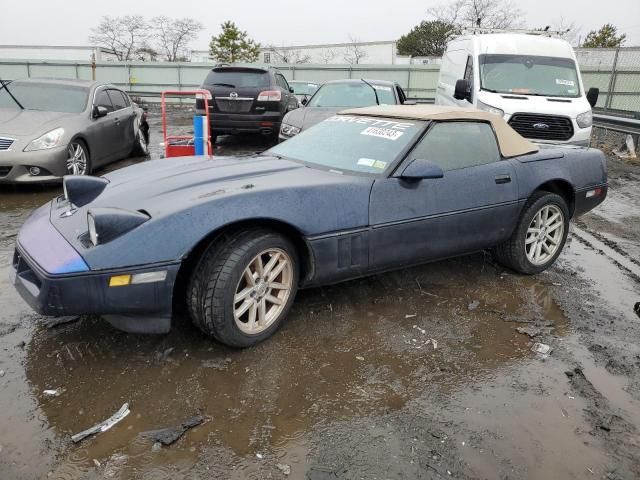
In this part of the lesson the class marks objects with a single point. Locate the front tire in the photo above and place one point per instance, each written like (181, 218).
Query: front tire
(243, 286)
(78, 160)
(539, 236)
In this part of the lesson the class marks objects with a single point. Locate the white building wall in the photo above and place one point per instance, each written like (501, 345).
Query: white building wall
(379, 53)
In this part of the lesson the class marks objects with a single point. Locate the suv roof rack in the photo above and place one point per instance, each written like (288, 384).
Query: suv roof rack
(545, 32)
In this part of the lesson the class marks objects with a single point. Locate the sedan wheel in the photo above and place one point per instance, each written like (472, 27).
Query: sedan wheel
(78, 160)
(263, 291)
(544, 234)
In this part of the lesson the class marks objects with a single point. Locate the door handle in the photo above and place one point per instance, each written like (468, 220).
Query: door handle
(503, 179)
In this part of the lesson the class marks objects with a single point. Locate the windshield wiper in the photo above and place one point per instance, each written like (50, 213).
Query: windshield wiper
(223, 85)
(375, 92)
(6, 87)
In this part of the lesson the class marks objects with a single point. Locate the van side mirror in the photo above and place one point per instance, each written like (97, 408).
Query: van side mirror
(291, 90)
(592, 96)
(462, 90)
(419, 169)
(99, 111)
(304, 101)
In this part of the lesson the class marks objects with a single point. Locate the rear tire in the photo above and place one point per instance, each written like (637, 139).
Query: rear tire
(243, 286)
(141, 144)
(539, 236)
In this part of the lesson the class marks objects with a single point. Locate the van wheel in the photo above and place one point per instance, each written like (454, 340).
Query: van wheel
(243, 286)
(539, 236)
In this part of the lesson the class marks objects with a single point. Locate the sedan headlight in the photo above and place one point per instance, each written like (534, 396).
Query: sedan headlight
(289, 130)
(585, 119)
(48, 140)
(490, 109)
(105, 224)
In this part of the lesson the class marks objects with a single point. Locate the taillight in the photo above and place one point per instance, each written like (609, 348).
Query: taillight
(270, 96)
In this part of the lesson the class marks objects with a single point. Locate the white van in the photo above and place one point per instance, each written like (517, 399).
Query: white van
(533, 81)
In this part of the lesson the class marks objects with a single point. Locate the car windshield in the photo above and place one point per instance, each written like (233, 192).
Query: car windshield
(351, 143)
(238, 78)
(45, 97)
(351, 95)
(529, 75)
(304, 88)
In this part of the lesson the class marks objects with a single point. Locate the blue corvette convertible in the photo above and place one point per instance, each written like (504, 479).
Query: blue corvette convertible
(365, 191)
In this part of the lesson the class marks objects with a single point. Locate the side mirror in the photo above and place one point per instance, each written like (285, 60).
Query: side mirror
(419, 169)
(462, 90)
(304, 101)
(592, 96)
(99, 111)
(291, 90)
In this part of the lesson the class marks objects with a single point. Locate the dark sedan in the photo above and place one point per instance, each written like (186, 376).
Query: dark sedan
(337, 95)
(51, 128)
(365, 191)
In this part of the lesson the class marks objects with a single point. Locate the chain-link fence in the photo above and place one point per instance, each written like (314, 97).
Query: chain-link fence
(616, 72)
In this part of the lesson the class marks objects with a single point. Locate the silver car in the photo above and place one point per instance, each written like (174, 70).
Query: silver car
(51, 128)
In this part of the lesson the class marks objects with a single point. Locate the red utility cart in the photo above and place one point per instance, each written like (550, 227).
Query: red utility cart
(183, 145)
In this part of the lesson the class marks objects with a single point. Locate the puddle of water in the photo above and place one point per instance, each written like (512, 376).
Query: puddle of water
(348, 350)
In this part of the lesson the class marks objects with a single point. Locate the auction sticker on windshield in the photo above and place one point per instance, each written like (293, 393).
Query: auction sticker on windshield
(388, 133)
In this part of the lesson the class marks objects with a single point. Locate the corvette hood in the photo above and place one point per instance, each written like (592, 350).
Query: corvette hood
(22, 123)
(161, 186)
(187, 198)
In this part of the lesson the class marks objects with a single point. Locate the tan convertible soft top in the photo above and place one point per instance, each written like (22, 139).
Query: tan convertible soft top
(510, 142)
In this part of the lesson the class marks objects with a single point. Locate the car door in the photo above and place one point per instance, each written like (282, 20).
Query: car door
(101, 136)
(289, 100)
(473, 206)
(123, 117)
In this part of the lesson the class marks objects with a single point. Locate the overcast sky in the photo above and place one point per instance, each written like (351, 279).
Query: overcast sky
(283, 22)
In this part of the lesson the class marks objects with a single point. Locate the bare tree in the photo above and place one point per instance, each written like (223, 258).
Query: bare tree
(354, 52)
(569, 31)
(327, 55)
(479, 13)
(124, 35)
(172, 36)
(288, 55)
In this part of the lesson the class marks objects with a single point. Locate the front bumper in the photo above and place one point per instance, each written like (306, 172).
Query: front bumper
(89, 293)
(14, 165)
(52, 277)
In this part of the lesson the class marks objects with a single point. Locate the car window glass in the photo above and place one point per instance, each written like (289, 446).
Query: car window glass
(46, 97)
(103, 100)
(351, 143)
(352, 94)
(238, 78)
(117, 99)
(455, 145)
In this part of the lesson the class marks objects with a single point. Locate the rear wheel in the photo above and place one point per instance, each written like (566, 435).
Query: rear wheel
(243, 286)
(78, 161)
(141, 144)
(539, 236)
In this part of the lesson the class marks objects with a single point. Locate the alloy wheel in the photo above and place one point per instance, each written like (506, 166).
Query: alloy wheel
(77, 160)
(544, 234)
(263, 291)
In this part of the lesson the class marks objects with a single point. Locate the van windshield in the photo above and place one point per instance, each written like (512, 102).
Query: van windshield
(529, 75)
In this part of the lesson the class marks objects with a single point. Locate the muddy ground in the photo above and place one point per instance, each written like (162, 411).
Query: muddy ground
(423, 373)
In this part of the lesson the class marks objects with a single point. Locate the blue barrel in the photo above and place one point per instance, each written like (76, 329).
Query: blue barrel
(200, 134)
